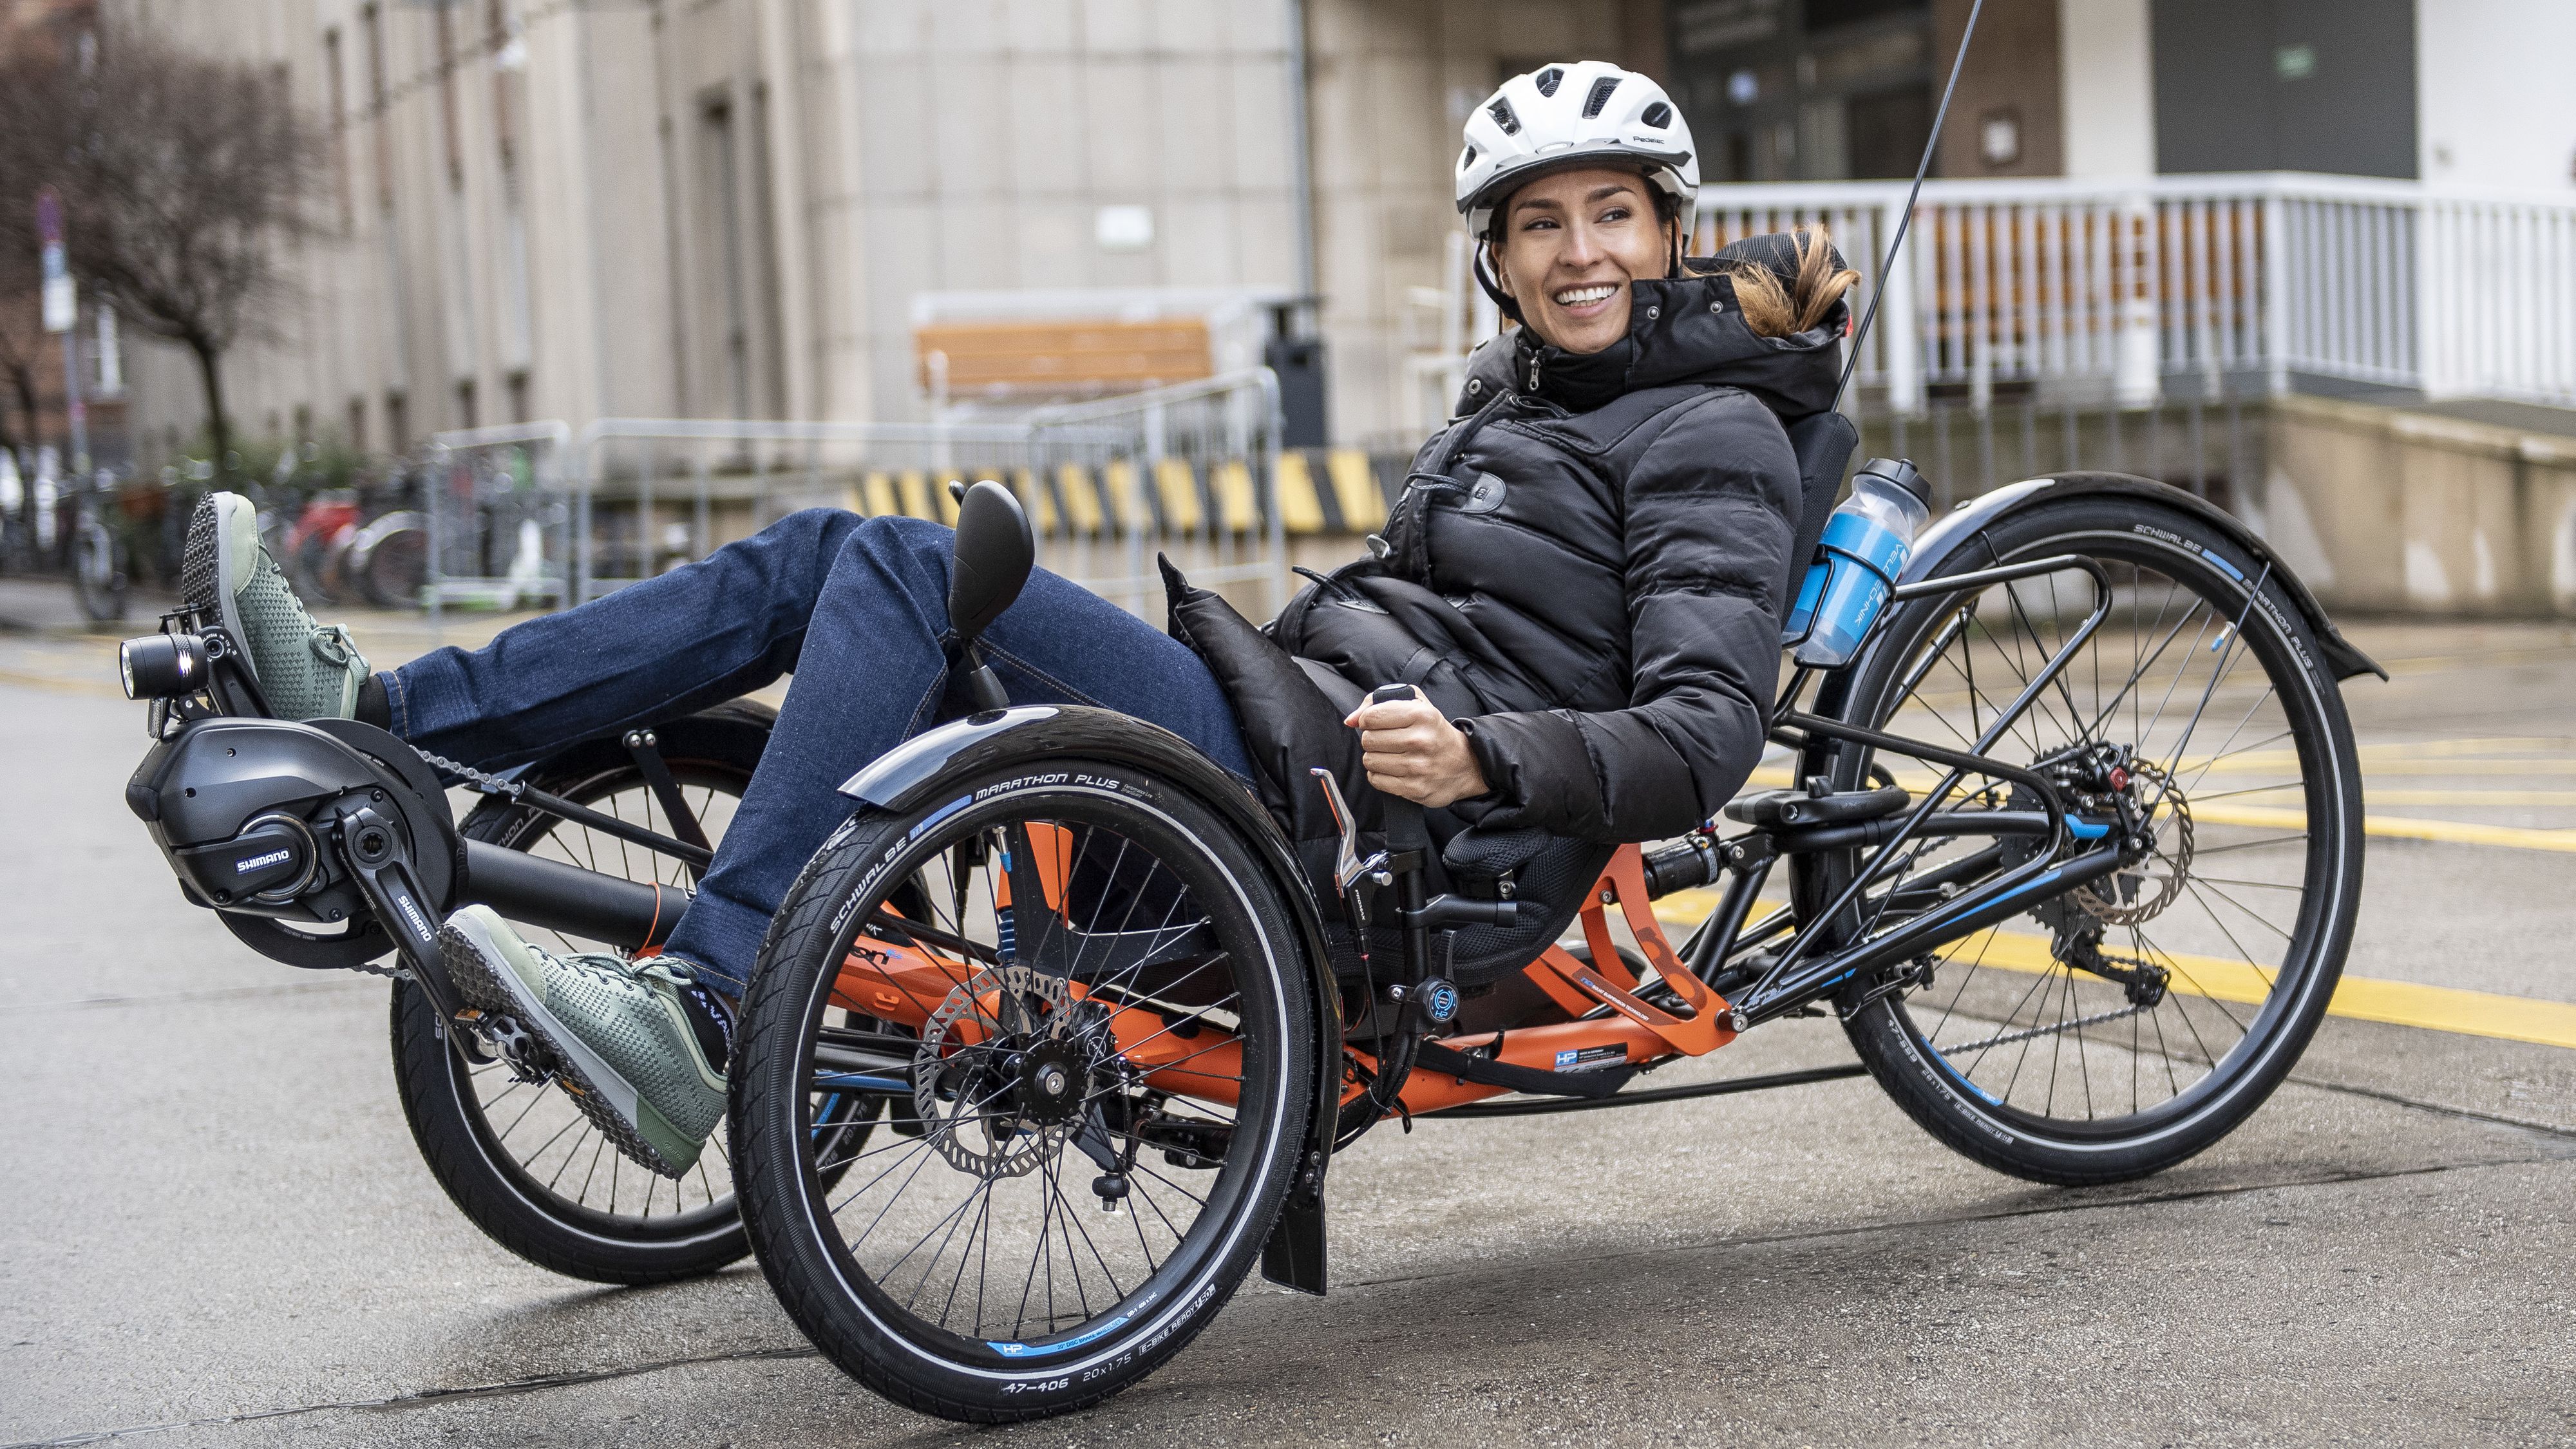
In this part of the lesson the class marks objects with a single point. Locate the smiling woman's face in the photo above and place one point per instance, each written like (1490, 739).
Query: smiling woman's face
(1572, 242)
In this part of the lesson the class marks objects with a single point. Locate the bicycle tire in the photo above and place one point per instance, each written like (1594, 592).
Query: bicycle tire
(98, 572)
(479, 1163)
(849, 1307)
(2015, 1121)
(390, 561)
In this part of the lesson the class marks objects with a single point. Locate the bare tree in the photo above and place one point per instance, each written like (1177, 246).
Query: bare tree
(22, 166)
(183, 180)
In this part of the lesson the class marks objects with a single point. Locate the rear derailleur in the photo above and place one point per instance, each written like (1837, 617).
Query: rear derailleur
(2078, 944)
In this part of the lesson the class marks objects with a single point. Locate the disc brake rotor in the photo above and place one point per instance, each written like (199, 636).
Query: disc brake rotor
(972, 1094)
(2140, 892)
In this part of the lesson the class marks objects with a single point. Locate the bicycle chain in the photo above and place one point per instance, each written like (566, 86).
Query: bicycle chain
(481, 782)
(2033, 1033)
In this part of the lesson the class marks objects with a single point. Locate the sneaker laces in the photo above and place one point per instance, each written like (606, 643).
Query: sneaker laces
(709, 1014)
(332, 645)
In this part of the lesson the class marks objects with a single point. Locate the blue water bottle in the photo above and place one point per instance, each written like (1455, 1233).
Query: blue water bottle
(1864, 550)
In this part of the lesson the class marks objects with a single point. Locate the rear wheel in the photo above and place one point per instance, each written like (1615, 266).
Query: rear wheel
(2117, 1029)
(520, 1158)
(1078, 994)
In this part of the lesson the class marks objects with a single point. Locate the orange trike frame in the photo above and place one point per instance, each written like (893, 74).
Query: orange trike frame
(906, 984)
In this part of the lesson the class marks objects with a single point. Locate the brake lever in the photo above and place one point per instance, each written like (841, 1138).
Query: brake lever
(1349, 866)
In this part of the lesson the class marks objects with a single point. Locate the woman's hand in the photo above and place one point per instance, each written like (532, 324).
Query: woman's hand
(1410, 749)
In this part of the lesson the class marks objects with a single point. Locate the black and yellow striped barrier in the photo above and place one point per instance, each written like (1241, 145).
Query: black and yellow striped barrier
(1320, 491)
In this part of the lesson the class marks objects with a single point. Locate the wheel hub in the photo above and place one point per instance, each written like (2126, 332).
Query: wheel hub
(2141, 890)
(1053, 1083)
(999, 1077)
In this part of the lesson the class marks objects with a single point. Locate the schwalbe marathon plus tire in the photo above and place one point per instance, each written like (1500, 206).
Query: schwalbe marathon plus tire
(2192, 551)
(461, 1147)
(854, 1321)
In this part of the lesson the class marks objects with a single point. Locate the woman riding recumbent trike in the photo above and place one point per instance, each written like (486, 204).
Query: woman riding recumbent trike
(1063, 1026)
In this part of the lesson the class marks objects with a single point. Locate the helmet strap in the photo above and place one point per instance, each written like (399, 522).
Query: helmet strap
(1493, 288)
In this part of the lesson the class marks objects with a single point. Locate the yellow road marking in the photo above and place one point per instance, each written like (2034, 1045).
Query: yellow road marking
(2363, 998)
(59, 682)
(2375, 768)
(2387, 827)
(2397, 827)
(2404, 795)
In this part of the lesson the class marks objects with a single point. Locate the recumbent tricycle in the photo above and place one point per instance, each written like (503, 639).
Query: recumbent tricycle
(1048, 1043)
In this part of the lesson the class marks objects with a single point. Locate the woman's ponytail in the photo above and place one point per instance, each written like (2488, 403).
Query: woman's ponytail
(1774, 310)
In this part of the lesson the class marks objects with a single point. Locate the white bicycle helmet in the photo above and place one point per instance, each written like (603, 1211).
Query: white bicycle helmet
(1581, 113)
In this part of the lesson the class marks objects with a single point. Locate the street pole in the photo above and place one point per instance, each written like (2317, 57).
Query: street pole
(62, 314)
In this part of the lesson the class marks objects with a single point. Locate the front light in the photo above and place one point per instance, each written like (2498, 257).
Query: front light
(162, 666)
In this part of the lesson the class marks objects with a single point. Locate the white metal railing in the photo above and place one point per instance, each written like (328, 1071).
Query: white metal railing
(2141, 282)
(2133, 289)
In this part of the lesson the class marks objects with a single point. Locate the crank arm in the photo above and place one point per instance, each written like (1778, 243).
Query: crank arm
(373, 849)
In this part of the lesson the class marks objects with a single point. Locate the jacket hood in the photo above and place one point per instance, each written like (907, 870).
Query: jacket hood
(1683, 331)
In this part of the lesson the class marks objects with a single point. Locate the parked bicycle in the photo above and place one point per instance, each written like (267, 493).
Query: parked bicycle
(99, 560)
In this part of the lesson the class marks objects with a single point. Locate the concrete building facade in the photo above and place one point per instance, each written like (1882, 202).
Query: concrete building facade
(727, 208)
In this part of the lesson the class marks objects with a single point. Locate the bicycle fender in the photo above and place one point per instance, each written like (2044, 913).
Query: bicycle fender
(1951, 532)
(918, 769)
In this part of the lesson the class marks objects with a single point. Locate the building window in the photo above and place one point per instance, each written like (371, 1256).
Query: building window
(518, 384)
(357, 425)
(448, 123)
(465, 404)
(339, 92)
(374, 20)
(509, 60)
(397, 422)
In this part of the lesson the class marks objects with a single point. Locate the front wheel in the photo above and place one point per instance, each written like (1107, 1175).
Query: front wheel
(521, 1159)
(2117, 1029)
(1077, 994)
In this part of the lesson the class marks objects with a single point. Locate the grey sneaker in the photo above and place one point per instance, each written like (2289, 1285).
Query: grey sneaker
(630, 1055)
(307, 670)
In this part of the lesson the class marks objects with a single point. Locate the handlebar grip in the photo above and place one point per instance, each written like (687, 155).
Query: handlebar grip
(1404, 828)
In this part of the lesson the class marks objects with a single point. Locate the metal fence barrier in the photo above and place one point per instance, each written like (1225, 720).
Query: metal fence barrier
(537, 514)
(498, 511)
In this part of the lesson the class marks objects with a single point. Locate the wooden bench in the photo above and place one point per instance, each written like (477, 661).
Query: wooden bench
(1072, 356)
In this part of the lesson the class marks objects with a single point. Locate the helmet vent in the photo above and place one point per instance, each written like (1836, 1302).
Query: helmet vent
(1657, 116)
(1501, 111)
(1600, 96)
(1548, 80)
(1467, 160)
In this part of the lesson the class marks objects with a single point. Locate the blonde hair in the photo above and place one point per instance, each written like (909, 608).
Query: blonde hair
(1773, 310)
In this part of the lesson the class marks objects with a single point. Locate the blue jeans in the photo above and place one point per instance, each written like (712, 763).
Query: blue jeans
(854, 609)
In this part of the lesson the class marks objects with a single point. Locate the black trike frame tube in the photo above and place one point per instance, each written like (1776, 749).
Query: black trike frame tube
(1785, 987)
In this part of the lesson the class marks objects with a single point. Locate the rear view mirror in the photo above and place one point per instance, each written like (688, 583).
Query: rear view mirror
(995, 551)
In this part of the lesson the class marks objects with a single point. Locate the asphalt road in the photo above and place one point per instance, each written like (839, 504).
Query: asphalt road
(217, 1230)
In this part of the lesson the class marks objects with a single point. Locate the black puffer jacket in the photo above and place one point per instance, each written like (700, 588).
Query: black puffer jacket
(1585, 571)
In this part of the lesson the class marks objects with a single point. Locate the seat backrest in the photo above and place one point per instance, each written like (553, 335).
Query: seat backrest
(1823, 443)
